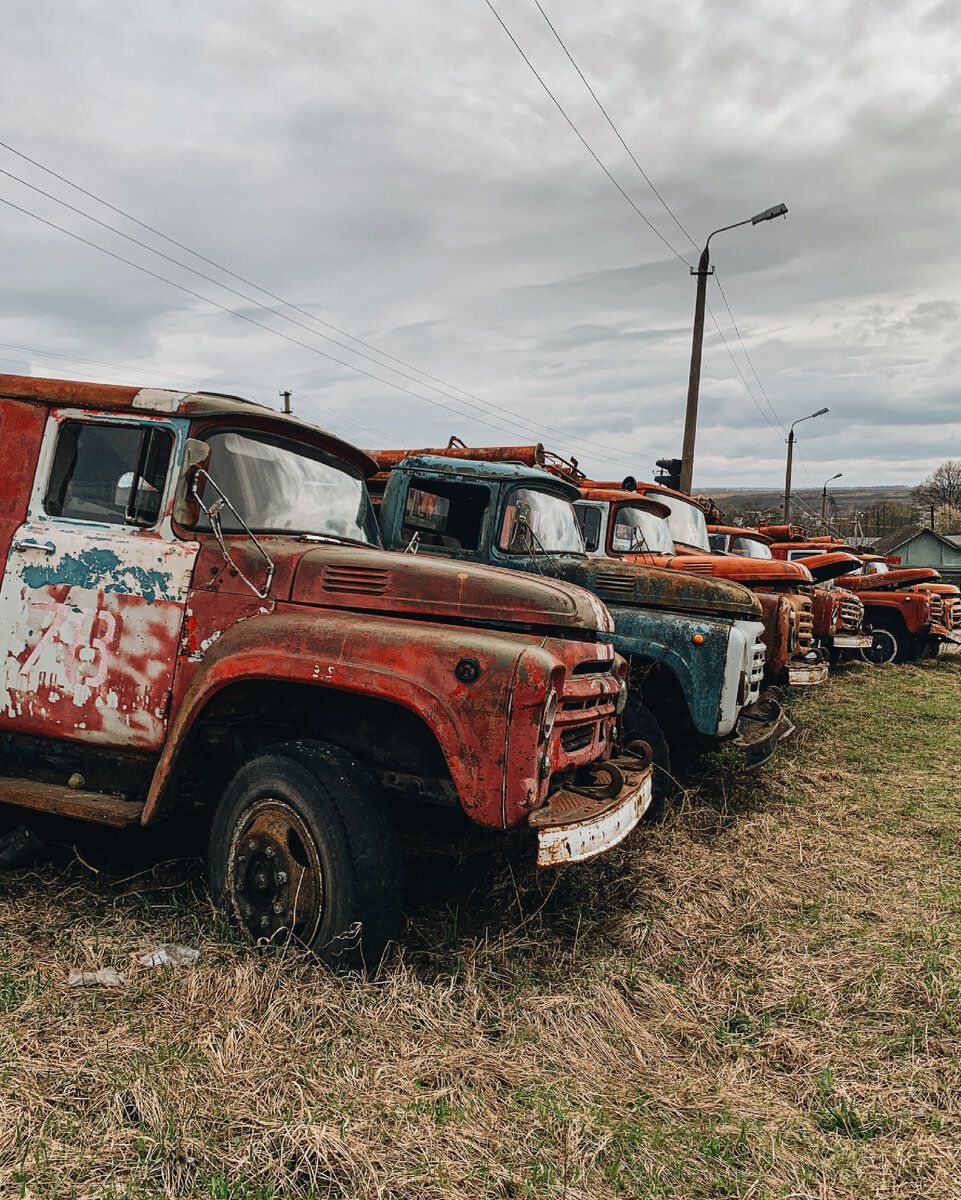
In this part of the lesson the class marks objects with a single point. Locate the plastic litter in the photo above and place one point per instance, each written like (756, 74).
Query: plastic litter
(169, 955)
(102, 977)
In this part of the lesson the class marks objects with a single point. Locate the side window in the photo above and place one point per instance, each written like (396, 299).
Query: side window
(589, 519)
(108, 473)
(449, 515)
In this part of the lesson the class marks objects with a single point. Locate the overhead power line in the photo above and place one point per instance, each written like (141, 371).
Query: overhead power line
(584, 142)
(654, 189)
(471, 401)
(153, 372)
(617, 132)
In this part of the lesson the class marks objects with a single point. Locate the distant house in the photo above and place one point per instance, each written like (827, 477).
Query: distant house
(918, 546)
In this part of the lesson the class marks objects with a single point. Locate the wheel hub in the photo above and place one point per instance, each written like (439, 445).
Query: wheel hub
(275, 873)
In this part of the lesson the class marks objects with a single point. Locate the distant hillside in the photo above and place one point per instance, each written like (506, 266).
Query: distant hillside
(845, 499)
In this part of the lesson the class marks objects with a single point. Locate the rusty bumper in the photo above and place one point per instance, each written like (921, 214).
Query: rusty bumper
(759, 730)
(946, 636)
(851, 641)
(811, 669)
(579, 823)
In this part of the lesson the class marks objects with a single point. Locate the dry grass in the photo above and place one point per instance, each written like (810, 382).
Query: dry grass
(757, 998)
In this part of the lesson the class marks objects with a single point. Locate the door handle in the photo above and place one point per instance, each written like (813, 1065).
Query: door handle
(33, 544)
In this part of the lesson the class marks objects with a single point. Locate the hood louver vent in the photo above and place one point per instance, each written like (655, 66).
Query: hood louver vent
(367, 581)
(614, 583)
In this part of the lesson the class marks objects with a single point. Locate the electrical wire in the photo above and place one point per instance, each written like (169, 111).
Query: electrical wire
(251, 320)
(584, 142)
(663, 202)
(617, 132)
(767, 398)
(444, 389)
(153, 373)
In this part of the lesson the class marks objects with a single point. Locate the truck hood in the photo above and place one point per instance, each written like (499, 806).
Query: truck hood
(751, 572)
(890, 581)
(829, 566)
(417, 585)
(619, 582)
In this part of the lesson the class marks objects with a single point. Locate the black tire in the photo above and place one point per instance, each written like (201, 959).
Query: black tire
(890, 643)
(302, 846)
(639, 722)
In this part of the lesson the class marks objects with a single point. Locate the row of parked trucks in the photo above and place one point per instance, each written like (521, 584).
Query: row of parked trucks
(210, 607)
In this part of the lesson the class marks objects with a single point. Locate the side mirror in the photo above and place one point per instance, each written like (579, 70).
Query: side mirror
(196, 459)
(520, 536)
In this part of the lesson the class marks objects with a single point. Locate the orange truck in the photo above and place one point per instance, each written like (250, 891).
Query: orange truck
(644, 522)
(912, 613)
(838, 612)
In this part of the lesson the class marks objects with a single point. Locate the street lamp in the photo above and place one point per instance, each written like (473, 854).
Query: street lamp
(824, 497)
(694, 382)
(790, 458)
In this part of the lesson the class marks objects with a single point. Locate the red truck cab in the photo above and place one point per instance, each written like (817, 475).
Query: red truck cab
(197, 615)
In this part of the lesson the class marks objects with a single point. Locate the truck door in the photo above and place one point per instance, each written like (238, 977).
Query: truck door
(93, 595)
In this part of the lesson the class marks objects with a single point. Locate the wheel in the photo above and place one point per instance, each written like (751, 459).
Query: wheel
(889, 643)
(639, 722)
(302, 846)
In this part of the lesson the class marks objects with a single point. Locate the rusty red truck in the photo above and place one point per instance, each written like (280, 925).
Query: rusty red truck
(197, 614)
(837, 612)
(911, 612)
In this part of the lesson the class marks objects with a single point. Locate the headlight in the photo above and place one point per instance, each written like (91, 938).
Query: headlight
(621, 702)
(550, 714)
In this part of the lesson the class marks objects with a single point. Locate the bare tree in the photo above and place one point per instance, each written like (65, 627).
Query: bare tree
(942, 488)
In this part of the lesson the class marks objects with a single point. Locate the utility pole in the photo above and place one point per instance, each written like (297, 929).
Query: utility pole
(694, 380)
(824, 497)
(286, 396)
(790, 459)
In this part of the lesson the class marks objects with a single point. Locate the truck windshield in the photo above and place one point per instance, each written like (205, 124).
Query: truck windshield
(876, 568)
(551, 520)
(749, 548)
(278, 486)
(636, 530)
(686, 522)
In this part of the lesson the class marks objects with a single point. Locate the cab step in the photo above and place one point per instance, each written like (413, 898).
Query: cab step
(100, 807)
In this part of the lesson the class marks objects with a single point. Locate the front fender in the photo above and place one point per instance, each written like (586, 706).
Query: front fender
(667, 638)
(407, 663)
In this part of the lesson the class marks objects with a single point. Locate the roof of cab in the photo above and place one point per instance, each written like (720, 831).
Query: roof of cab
(501, 472)
(70, 393)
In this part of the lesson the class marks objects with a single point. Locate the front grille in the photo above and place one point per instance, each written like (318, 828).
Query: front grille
(937, 608)
(952, 611)
(805, 627)
(757, 665)
(577, 738)
(588, 702)
(852, 614)
(370, 581)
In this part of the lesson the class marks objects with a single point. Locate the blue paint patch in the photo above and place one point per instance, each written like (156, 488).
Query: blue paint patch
(100, 571)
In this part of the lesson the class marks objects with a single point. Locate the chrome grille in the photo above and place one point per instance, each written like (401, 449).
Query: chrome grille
(805, 626)
(852, 614)
(757, 671)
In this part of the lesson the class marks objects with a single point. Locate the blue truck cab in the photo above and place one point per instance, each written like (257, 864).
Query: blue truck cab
(694, 644)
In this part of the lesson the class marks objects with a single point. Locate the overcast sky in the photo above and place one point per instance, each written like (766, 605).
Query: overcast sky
(397, 171)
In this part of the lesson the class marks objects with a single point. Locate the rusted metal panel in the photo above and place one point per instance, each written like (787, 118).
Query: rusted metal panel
(413, 664)
(90, 613)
